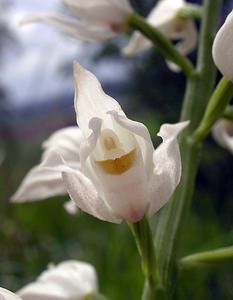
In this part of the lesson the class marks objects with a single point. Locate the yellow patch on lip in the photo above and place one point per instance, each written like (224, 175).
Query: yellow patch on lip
(119, 165)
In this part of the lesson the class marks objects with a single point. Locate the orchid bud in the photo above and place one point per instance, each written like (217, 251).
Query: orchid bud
(223, 48)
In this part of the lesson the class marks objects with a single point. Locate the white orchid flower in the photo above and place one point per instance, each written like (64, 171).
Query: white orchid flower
(96, 19)
(223, 134)
(67, 280)
(108, 165)
(164, 17)
(223, 48)
(7, 295)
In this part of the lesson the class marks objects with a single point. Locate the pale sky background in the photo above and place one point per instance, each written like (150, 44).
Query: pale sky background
(30, 68)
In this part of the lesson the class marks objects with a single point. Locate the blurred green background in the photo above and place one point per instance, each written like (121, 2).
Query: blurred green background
(34, 234)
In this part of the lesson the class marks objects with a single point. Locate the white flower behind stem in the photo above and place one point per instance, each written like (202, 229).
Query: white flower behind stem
(223, 134)
(164, 17)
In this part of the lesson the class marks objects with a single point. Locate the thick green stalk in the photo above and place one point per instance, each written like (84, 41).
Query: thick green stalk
(172, 218)
(161, 42)
(145, 244)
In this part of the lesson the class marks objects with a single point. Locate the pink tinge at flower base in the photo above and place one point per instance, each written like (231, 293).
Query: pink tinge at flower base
(164, 17)
(223, 48)
(93, 19)
(66, 281)
(108, 164)
(7, 295)
(223, 134)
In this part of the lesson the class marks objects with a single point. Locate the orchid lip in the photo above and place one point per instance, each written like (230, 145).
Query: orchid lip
(119, 165)
(116, 160)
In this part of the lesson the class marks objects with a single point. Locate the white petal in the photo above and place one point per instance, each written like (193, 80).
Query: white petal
(84, 194)
(223, 134)
(102, 13)
(66, 142)
(7, 295)
(167, 166)
(72, 27)
(223, 48)
(90, 100)
(88, 144)
(67, 280)
(44, 180)
(68, 137)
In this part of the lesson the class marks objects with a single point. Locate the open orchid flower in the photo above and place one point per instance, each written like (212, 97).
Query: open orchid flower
(7, 295)
(97, 19)
(223, 134)
(67, 280)
(108, 165)
(223, 48)
(164, 17)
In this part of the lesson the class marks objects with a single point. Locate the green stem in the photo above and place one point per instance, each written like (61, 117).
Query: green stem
(161, 42)
(145, 244)
(215, 109)
(172, 218)
(213, 257)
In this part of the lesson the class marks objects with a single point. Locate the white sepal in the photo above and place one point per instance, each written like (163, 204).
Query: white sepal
(43, 181)
(90, 99)
(167, 166)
